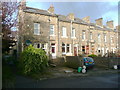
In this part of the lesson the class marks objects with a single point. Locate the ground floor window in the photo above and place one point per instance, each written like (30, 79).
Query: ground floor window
(98, 51)
(63, 48)
(35, 45)
(68, 48)
(83, 49)
(38, 45)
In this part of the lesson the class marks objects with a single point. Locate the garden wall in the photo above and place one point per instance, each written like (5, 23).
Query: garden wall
(76, 61)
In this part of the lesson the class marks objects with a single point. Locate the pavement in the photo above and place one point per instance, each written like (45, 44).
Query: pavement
(69, 72)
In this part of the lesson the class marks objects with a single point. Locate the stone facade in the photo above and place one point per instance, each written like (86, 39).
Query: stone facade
(67, 35)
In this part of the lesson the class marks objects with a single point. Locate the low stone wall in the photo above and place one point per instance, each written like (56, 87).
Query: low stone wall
(105, 62)
(76, 61)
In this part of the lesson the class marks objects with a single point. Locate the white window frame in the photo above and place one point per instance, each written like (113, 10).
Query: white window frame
(35, 45)
(73, 33)
(52, 29)
(83, 35)
(37, 29)
(91, 36)
(99, 38)
(105, 38)
(112, 39)
(64, 32)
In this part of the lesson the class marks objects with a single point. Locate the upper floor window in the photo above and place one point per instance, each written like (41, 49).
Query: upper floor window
(73, 32)
(105, 39)
(99, 38)
(83, 35)
(112, 40)
(51, 29)
(90, 35)
(64, 31)
(36, 28)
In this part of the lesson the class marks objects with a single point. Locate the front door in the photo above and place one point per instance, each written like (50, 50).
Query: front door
(75, 51)
(53, 51)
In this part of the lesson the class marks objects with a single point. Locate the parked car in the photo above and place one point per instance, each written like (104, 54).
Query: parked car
(88, 62)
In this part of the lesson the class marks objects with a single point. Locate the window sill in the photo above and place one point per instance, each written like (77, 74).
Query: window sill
(83, 39)
(73, 37)
(53, 35)
(64, 37)
(36, 34)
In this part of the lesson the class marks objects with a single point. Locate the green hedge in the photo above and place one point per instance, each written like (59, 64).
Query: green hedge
(92, 55)
(33, 60)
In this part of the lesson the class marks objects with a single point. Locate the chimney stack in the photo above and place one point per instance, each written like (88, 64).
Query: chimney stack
(51, 9)
(23, 4)
(99, 22)
(86, 19)
(110, 24)
(71, 16)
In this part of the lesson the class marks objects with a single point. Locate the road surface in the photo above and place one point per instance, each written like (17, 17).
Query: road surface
(94, 81)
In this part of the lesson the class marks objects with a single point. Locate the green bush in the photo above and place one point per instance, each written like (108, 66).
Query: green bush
(92, 55)
(33, 60)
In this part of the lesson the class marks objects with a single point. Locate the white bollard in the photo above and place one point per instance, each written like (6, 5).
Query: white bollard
(83, 70)
(84, 67)
(115, 66)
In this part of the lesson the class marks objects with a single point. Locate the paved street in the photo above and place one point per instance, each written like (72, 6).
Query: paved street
(94, 81)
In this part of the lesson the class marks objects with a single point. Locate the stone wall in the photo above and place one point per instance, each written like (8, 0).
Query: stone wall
(76, 61)
(106, 62)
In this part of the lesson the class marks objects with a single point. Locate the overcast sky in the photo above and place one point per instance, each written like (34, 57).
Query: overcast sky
(107, 10)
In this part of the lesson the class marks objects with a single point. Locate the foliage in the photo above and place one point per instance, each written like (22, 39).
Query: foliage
(33, 60)
(9, 20)
(92, 55)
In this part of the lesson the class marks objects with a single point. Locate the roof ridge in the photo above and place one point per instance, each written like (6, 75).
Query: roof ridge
(35, 8)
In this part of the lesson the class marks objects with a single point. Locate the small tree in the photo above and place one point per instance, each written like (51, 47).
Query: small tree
(9, 20)
(33, 60)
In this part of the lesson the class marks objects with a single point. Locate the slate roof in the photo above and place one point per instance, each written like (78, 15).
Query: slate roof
(38, 11)
(63, 18)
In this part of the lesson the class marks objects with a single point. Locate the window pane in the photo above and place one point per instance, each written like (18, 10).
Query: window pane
(42, 46)
(38, 45)
(36, 28)
(73, 32)
(63, 49)
(68, 49)
(63, 31)
(53, 44)
(51, 29)
(83, 34)
(63, 45)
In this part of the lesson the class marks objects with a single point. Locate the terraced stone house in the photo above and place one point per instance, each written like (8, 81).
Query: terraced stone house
(61, 35)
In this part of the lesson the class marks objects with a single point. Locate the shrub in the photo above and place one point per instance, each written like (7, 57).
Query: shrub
(92, 55)
(73, 62)
(33, 60)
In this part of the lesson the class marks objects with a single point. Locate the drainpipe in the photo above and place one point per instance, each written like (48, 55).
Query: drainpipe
(71, 37)
(49, 38)
(58, 37)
